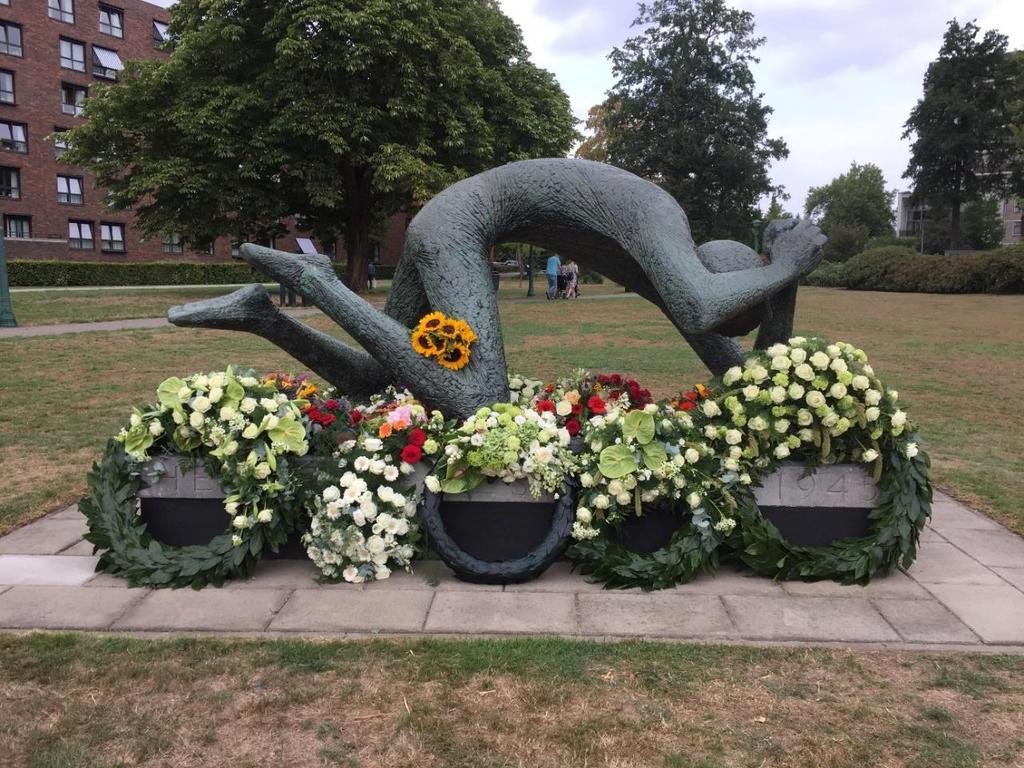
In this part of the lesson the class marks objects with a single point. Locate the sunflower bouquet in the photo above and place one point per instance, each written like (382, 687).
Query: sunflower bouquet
(446, 339)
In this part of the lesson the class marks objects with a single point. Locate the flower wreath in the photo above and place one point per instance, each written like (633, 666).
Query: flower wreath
(246, 434)
(364, 521)
(808, 400)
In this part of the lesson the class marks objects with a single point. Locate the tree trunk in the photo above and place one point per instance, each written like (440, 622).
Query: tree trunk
(954, 227)
(358, 248)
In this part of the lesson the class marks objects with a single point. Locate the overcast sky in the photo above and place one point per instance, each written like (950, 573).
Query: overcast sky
(842, 75)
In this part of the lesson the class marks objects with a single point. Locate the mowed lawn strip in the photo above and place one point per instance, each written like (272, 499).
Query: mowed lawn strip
(957, 360)
(85, 700)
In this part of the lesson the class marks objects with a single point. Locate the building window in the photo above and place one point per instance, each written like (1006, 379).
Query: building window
(80, 235)
(13, 137)
(105, 63)
(17, 226)
(172, 243)
(62, 10)
(10, 183)
(60, 142)
(69, 190)
(10, 38)
(6, 87)
(236, 249)
(72, 55)
(72, 99)
(1015, 230)
(111, 21)
(112, 237)
(160, 34)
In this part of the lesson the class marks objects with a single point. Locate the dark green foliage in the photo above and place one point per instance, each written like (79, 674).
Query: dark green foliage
(850, 209)
(41, 274)
(982, 224)
(902, 269)
(130, 552)
(844, 241)
(891, 240)
(687, 113)
(339, 112)
(963, 127)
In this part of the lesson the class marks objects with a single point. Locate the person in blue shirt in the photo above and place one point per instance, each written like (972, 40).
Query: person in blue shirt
(554, 266)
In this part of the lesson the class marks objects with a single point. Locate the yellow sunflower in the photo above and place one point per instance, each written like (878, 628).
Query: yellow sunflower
(454, 358)
(432, 321)
(423, 343)
(462, 329)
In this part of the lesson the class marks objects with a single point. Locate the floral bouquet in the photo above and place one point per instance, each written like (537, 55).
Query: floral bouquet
(653, 455)
(240, 426)
(364, 523)
(810, 397)
(507, 442)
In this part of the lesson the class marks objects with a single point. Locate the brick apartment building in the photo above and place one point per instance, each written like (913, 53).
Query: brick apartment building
(51, 53)
(910, 218)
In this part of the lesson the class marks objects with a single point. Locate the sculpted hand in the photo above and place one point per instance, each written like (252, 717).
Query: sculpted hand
(795, 243)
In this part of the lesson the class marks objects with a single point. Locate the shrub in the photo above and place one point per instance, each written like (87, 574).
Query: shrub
(845, 240)
(901, 269)
(83, 273)
(888, 240)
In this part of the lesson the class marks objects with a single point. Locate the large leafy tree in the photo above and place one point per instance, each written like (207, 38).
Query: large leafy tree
(962, 128)
(337, 111)
(688, 116)
(851, 208)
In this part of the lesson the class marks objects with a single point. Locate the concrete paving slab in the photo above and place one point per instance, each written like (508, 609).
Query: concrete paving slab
(353, 610)
(68, 513)
(730, 581)
(47, 570)
(83, 547)
(808, 618)
(995, 613)
(431, 576)
(953, 516)
(945, 564)
(929, 534)
(561, 578)
(898, 585)
(209, 609)
(503, 613)
(654, 615)
(43, 537)
(36, 607)
(992, 548)
(1013, 575)
(279, 574)
(925, 621)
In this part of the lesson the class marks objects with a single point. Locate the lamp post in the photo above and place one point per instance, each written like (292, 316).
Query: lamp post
(529, 273)
(6, 309)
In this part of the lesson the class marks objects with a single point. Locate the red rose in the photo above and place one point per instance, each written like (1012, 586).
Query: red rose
(355, 417)
(687, 405)
(545, 405)
(596, 405)
(572, 426)
(577, 409)
(411, 454)
(331, 405)
(326, 419)
(691, 395)
(416, 437)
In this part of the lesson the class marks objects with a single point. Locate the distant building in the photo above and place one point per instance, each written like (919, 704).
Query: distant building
(910, 218)
(51, 53)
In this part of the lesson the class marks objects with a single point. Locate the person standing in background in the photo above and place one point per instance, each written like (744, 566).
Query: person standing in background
(552, 271)
(371, 273)
(571, 273)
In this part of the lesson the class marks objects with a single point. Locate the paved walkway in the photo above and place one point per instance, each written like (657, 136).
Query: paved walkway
(965, 592)
(108, 325)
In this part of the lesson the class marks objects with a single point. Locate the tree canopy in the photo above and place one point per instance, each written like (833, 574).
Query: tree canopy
(338, 111)
(687, 114)
(963, 127)
(851, 208)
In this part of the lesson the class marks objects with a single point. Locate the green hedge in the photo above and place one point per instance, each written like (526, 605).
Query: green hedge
(84, 273)
(903, 269)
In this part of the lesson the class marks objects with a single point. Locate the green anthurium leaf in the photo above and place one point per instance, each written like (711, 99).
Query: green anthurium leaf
(289, 433)
(617, 461)
(138, 440)
(654, 455)
(167, 392)
(639, 426)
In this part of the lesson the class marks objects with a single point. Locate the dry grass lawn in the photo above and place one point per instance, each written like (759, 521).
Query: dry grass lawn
(79, 700)
(958, 360)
